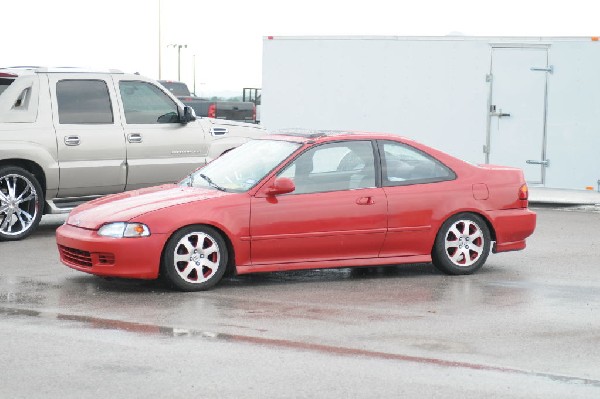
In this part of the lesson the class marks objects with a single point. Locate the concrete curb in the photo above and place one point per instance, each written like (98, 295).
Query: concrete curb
(563, 197)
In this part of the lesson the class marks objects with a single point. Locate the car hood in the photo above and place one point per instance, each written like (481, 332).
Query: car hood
(128, 205)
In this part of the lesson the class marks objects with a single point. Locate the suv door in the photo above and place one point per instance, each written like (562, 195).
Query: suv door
(89, 135)
(159, 148)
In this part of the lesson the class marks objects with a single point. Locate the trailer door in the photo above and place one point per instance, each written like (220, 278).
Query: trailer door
(517, 110)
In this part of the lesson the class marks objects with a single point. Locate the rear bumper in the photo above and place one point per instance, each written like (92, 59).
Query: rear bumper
(512, 227)
(86, 251)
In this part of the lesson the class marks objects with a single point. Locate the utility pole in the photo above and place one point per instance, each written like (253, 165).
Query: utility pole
(178, 47)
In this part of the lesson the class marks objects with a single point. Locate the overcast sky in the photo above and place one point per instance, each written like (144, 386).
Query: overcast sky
(226, 35)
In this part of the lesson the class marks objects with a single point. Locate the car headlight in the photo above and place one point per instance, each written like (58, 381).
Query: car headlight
(122, 229)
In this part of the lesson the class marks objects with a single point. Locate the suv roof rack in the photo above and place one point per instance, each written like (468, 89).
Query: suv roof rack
(39, 69)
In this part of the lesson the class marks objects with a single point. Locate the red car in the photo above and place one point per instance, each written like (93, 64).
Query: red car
(302, 201)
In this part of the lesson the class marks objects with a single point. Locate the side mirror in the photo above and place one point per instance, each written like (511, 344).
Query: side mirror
(281, 185)
(188, 115)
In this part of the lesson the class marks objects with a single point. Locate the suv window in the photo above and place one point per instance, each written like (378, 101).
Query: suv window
(4, 83)
(83, 101)
(333, 167)
(144, 103)
(403, 165)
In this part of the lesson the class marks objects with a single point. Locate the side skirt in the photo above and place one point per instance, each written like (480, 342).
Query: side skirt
(334, 264)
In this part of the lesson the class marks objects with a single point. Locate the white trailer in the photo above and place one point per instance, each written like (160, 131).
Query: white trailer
(530, 102)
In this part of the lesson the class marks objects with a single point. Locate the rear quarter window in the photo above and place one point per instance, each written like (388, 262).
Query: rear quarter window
(83, 102)
(405, 165)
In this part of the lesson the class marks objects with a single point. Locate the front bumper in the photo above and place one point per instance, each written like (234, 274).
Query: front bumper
(86, 251)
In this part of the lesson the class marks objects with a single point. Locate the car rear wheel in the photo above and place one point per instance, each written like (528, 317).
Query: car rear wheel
(462, 245)
(195, 258)
(21, 200)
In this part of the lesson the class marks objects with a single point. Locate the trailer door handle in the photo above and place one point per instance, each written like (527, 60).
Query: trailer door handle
(549, 68)
(499, 114)
(546, 163)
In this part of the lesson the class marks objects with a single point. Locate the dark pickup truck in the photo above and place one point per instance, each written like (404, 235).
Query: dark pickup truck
(230, 110)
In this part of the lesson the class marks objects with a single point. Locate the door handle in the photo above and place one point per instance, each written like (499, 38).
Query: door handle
(134, 137)
(72, 140)
(546, 163)
(549, 68)
(499, 113)
(365, 201)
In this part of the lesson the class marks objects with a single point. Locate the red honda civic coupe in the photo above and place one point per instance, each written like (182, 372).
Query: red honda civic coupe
(301, 201)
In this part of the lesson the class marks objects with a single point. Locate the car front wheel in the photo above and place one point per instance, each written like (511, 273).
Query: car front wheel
(462, 245)
(21, 201)
(195, 258)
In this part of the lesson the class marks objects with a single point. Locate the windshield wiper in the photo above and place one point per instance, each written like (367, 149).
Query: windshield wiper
(191, 182)
(211, 183)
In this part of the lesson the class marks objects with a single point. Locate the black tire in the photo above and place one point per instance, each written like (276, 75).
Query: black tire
(21, 203)
(195, 259)
(462, 244)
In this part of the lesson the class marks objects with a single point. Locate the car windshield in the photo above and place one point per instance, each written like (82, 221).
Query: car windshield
(243, 167)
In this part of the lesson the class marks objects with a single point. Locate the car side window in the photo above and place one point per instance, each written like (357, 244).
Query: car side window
(83, 102)
(333, 167)
(404, 165)
(144, 103)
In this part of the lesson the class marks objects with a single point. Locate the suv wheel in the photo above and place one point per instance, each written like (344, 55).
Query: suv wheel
(21, 200)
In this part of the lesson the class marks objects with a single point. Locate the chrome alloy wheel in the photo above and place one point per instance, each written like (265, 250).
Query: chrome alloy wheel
(19, 204)
(197, 257)
(464, 243)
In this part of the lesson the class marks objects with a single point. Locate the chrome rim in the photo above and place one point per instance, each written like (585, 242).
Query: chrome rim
(19, 204)
(464, 243)
(197, 257)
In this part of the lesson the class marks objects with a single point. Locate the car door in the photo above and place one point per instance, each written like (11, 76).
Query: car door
(336, 211)
(90, 138)
(419, 189)
(159, 148)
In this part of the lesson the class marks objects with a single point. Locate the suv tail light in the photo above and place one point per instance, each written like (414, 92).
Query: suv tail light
(212, 111)
(254, 112)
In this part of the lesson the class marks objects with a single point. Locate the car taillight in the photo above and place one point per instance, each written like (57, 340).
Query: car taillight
(212, 111)
(254, 112)
(524, 193)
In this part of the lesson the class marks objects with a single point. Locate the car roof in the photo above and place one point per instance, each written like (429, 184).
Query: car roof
(313, 135)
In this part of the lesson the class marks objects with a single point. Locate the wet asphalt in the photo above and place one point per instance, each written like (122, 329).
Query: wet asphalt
(526, 325)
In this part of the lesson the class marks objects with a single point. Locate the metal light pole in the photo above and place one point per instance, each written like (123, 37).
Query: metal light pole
(195, 77)
(159, 45)
(178, 47)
